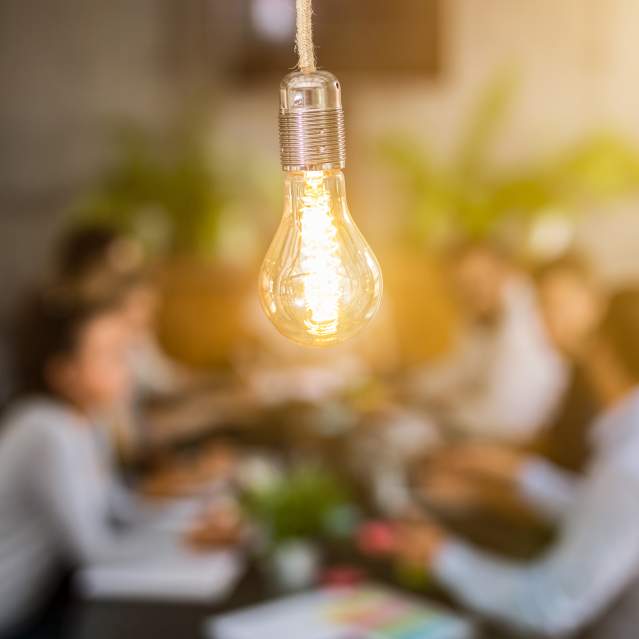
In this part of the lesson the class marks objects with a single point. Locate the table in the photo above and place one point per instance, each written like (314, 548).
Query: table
(138, 620)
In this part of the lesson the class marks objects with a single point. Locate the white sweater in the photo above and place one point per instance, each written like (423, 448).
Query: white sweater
(505, 381)
(57, 496)
(596, 555)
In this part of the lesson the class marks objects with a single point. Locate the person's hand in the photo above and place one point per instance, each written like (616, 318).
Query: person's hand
(490, 461)
(187, 476)
(216, 462)
(222, 526)
(449, 490)
(171, 480)
(417, 542)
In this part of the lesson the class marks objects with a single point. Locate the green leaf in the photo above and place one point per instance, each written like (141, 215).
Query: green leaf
(486, 119)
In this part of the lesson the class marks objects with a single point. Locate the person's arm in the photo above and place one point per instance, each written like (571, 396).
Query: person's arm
(596, 556)
(546, 488)
(542, 487)
(75, 496)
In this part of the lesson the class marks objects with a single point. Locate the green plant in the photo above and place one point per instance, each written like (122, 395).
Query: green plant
(469, 196)
(165, 189)
(301, 505)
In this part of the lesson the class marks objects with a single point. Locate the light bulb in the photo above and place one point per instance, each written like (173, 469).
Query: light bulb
(320, 282)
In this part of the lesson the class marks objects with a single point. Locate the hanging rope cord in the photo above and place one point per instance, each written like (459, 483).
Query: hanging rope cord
(304, 36)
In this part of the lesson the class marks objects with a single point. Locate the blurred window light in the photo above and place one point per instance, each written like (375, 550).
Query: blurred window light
(273, 20)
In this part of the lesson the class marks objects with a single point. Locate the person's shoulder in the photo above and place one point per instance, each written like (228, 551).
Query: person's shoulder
(38, 418)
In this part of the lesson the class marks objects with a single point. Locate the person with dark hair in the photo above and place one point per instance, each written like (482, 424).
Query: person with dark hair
(58, 500)
(572, 303)
(503, 379)
(48, 328)
(596, 555)
(465, 482)
(95, 261)
(89, 250)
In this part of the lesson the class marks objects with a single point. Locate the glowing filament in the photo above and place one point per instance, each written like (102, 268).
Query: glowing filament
(319, 258)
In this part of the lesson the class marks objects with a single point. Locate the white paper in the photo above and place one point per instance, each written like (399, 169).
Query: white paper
(194, 577)
(316, 615)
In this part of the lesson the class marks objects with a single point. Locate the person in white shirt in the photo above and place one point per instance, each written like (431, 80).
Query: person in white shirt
(59, 502)
(504, 378)
(596, 555)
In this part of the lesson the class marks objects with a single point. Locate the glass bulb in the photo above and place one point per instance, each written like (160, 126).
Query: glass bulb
(320, 282)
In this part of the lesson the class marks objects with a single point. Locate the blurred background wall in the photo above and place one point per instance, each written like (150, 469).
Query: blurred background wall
(69, 69)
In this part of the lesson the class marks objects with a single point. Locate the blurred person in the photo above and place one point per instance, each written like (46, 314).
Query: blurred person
(59, 504)
(465, 484)
(504, 378)
(94, 251)
(595, 560)
(95, 260)
(572, 302)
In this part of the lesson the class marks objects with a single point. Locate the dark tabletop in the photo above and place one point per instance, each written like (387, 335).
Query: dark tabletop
(141, 620)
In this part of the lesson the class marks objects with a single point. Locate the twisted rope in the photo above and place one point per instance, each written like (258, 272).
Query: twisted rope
(304, 36)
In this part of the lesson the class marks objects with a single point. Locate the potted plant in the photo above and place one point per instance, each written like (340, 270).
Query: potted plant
(173, 193)
(469, 196)
(294, 513)
(532, 207)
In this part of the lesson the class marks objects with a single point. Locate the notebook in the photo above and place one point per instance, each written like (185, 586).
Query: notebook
(362, 612)
(190, 577)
